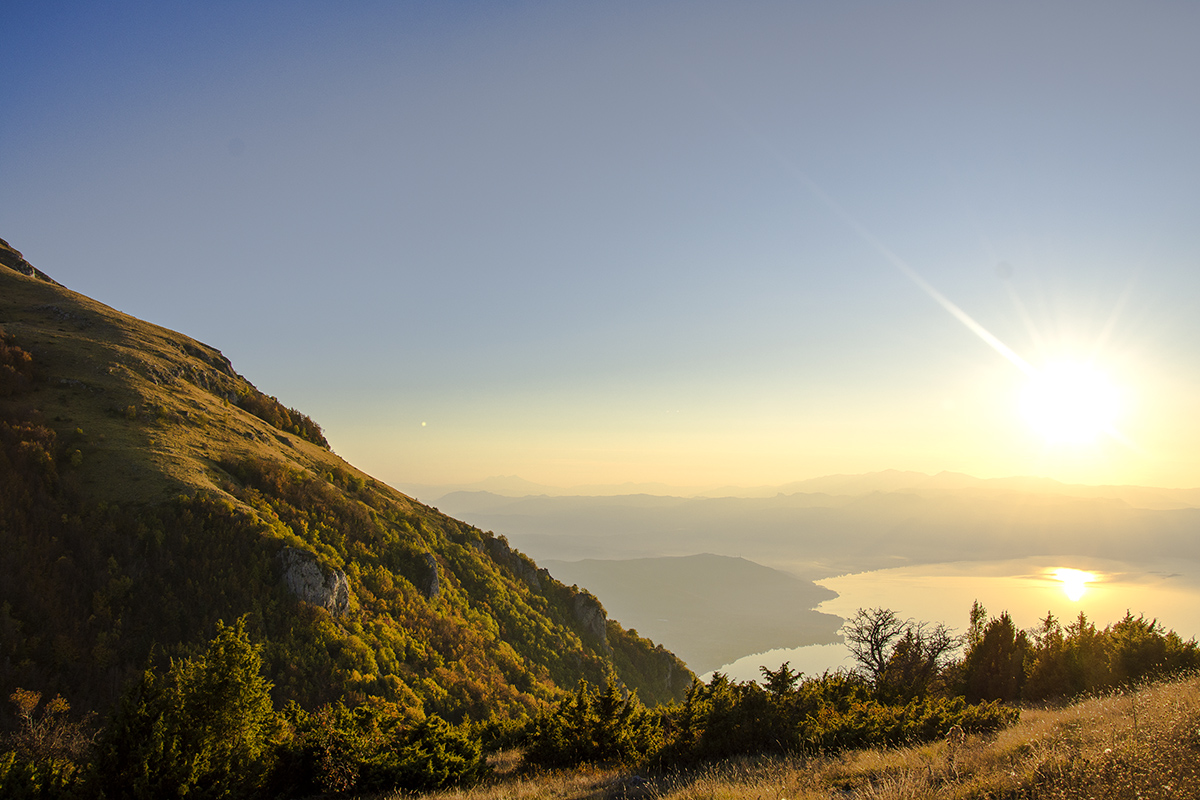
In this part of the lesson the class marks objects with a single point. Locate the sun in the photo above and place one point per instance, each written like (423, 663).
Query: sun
(1074, 582)
(1070, 403)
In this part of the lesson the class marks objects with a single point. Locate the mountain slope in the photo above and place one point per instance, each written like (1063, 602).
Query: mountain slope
(148, 490)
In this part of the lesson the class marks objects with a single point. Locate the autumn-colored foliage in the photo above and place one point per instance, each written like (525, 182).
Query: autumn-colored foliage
(276, 414)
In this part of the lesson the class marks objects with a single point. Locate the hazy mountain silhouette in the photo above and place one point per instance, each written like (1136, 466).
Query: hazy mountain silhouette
(710, 610)
(849, 485)
(818, 534)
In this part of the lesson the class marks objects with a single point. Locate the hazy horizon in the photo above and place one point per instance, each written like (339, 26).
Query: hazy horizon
(515, 486)
(688, 244)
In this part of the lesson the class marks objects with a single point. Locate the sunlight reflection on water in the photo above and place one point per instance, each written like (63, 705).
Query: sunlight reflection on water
(1168, 590)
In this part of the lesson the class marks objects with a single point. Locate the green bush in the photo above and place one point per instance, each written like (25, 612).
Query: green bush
(377, 746)
(205, 729)
(593, 725)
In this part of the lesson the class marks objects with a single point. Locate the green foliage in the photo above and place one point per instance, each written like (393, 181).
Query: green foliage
(593, 726)
(994, 668)
(97, 592)
(874, 724)
(724, 719)
(656, 673)
(377, 746)
(95, 586)
(24, 779)
(1080, 658)
(904, 692)
(827, 714)
(902, 659)
(205, 729)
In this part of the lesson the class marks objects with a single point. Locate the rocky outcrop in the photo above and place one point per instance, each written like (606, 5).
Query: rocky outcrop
(12, 258)
(516, 563)
(669, 660)
(433, 585)
(306, 579)
(592, 617)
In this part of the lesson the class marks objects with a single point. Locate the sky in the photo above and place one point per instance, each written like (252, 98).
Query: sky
(698, 243)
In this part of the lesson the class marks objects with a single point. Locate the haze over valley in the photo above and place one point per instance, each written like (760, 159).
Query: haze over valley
(928, 545)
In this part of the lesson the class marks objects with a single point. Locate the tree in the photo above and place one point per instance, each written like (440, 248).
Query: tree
(49, 734)
(593, 725)
(1048, 674)
(204, 728)
(916, 660)
(47, 753)
(870, 637)
(901, 658)
(781, 682)
(1139, 648)
(978, 620)
(995, 667)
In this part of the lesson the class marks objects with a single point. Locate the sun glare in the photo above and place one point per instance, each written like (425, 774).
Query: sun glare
(1074, 582)
(1070, 403)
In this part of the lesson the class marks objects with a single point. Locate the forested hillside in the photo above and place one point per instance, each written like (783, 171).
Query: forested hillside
(148, 491)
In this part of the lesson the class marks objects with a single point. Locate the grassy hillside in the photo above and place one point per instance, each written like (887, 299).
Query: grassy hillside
(147, 490)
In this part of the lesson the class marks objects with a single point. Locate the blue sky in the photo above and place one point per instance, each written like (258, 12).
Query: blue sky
(596, 243)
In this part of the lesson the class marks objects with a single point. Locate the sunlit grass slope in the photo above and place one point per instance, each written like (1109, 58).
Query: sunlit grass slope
(157, 409)
(1142, 743)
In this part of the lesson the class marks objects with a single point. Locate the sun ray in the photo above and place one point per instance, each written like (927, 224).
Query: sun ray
(1070, 403)
(905, 269)
(1023, 312)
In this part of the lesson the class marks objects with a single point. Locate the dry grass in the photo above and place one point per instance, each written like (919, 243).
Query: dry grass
(1137, 744)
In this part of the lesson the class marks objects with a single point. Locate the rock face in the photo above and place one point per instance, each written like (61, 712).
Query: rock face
(305, 579)
(591, 615)
(12, 258)
(434, 586)
(522, 567)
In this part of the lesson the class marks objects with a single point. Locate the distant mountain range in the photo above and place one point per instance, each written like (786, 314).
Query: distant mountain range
(852, 485)
(819, 534)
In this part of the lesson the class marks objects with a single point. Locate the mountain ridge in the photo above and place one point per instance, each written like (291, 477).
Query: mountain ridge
(148, 490)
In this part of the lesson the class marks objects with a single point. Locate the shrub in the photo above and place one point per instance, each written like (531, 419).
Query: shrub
(377, 746)
(593, 725)
(205, 728)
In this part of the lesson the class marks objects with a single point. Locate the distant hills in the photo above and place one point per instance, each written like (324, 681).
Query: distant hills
(819, 534)
(627, 548)
(851, 485)
(148, 490)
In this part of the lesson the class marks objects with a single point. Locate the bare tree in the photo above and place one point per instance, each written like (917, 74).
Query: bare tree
(871, 635)
(900, 657)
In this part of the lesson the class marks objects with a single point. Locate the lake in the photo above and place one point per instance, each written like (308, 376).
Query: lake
(1165, 589)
